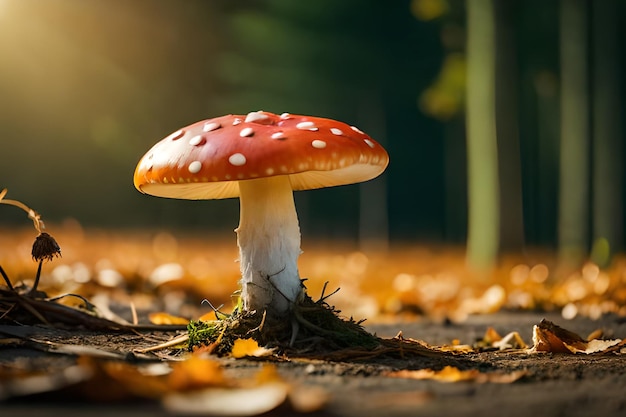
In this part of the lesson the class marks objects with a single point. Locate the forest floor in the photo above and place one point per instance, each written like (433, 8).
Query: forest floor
(553, 384)
(427, 294)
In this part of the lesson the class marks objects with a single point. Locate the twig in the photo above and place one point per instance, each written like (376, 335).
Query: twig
(324, 297)
(46, 311)
(133, 311)
(32, 214)
(176, 341)
(6, 278)
(217, 311)
(34, 288)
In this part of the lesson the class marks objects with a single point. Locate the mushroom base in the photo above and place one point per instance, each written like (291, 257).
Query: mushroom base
(269, 245)
(321, 331)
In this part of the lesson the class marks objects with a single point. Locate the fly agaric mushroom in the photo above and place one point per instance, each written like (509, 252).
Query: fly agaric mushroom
(261, 158)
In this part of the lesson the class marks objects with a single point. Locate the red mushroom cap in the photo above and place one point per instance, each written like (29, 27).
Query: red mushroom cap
(206, 160)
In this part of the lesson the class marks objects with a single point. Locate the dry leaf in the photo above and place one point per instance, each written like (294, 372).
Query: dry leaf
(447, 374)
(491, 336)
(456, 348)
(597, 345)
(453, 374)
(162, 318)
(501, 378)
(196, 372)
(118, 381)
(228, 401)
(548, 337)
(512, 340)
(249, 347)
(12, 385)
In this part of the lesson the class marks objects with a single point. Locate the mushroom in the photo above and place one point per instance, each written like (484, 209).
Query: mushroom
(261, 158)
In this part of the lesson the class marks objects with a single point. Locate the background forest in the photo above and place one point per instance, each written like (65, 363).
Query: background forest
(87, 86)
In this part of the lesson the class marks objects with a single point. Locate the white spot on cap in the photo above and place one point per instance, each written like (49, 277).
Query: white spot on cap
(269, 171)
(256, 116)
(285, 116)
(195, 167)
(356, 129)
(176, 135)
(211, 126)
(278, 135)
(369, 143)
(306, 126)
(196, 140)
(236, 121)
(335, 131)
(319, 144)
(246, 131)
(237, 159)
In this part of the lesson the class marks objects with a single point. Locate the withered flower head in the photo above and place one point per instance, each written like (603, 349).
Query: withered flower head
(45, 247)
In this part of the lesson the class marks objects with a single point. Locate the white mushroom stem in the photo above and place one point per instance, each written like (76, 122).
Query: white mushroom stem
(269, 245)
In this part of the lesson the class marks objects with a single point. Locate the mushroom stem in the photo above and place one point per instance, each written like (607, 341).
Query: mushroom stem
(269, 245)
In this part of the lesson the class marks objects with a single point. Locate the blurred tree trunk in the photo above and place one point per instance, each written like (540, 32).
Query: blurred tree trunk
(507, 129)
(607, 148)
(482, 153)
(574, 164)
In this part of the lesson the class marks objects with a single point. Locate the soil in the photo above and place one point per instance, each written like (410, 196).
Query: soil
(554, 385)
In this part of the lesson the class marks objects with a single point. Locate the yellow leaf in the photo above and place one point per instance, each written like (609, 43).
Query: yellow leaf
(447, 374)
(491, 336)
(162, 318)
(453, 374)
(196, 372)
(456, 347)
(248, 347)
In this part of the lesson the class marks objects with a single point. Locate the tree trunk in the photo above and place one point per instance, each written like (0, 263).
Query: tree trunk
(482, 152)
(574, 164)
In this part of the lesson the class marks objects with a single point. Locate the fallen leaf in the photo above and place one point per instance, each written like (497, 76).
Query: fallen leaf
(597, 345)
(249, 347)
(447, 374)
(453, 374)
(228, 401)
(162, 318)
(491, 336)
(456, 348)
(196, 372)
(35, 383)
(548, 337)
(512, 340)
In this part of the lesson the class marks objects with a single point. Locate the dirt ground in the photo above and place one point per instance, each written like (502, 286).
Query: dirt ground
(554, 385)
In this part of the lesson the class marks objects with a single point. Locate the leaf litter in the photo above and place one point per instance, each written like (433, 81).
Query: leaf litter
(155, 362)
